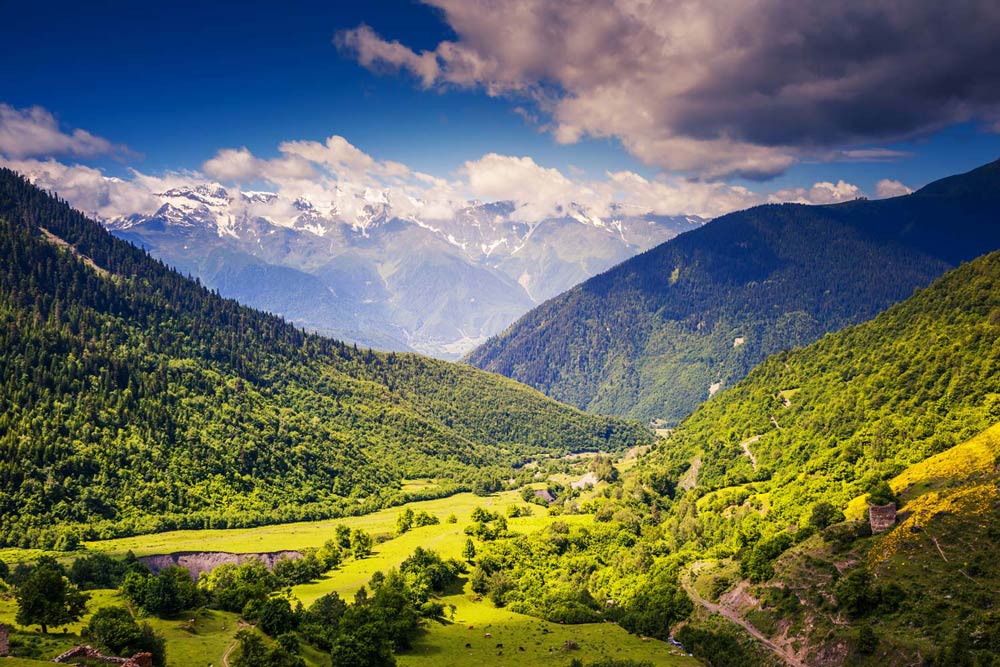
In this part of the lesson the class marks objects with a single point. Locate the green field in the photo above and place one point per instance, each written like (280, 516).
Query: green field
(542, 642)
(188, 644)
(525, 640)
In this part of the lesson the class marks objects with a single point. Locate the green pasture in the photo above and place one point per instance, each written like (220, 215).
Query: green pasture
(203, 639)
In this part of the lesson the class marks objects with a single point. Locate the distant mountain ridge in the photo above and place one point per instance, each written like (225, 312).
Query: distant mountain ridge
(354, 269)
(660, 333)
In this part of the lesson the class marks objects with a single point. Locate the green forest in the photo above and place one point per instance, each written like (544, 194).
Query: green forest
(651, 337)
(134, 400)
(760, 485)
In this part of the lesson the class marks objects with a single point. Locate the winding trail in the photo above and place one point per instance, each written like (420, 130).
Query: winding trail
(783, 653)
(229, 651)
(746, 450)
(225, 656)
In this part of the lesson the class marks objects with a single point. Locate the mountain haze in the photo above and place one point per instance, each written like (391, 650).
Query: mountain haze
(357, 270)
(662, 332)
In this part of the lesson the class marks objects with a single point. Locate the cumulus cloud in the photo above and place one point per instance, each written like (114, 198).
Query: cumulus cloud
(336, 175)
(537, 191)
(717, 88)
(342, 157)
(823, 192)
(35, 132)
(88, 189)
(241, 165)
(889, 188)
(541, 192)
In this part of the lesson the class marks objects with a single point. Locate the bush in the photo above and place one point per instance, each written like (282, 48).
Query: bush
(855, 594)
(114, 631)
(165, 594)
(655, 608)
(824, 514)
(757, 565)
(881, 494)
(233, 587)
(276, 617)
(102, 571)
(867, 641)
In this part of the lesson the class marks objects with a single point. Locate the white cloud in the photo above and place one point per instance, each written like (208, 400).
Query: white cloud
(336, 175)
(371, 51)
(542, 192)
(35, 132)
(241, 165)
(539, 192)
(88, 189)
(343, 158)
(889, 188)
(823, 192)
(716, 88)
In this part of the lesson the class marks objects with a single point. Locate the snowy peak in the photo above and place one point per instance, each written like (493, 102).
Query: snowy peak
(365, 266)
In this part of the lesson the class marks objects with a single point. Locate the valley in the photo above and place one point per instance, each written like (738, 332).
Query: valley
(768, 439)
(663, 332)
(470, 620)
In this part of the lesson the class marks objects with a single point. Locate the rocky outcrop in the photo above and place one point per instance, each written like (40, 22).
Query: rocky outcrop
(91, 655)
(197, 562)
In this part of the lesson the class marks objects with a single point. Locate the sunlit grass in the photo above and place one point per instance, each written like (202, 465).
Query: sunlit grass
(974, 457)
(204, 642)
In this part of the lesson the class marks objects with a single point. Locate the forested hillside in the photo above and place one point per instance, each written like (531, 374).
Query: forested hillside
(829, 421)
(660, 333)
(133, 399)
(745, 502)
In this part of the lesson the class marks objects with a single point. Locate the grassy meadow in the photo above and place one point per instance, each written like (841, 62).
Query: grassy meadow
(474, 632)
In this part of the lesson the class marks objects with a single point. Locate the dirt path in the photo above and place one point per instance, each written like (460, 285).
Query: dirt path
(732, 616)
(746, 450)
(225, 656)
(229, 651)
(52, 238)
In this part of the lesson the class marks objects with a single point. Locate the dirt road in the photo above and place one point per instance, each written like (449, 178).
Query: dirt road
(732, 616)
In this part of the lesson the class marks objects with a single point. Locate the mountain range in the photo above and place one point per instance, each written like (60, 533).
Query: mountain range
(354, 269)
(660, 333)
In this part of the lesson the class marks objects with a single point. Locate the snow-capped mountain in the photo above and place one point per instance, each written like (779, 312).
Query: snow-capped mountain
(356, 268)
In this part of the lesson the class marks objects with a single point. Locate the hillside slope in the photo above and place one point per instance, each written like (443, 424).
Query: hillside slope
(829, 420)
(660, 333)
(923, 593)
(910, 398)
(133, 399)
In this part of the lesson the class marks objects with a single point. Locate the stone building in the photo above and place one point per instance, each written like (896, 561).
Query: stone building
(882, 517)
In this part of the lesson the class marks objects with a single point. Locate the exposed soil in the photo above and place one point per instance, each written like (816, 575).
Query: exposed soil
(197, 562)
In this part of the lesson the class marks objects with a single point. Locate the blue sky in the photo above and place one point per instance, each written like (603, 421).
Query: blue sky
(177, 82)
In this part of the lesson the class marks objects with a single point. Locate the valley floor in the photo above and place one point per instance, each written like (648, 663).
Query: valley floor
(473, 632)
